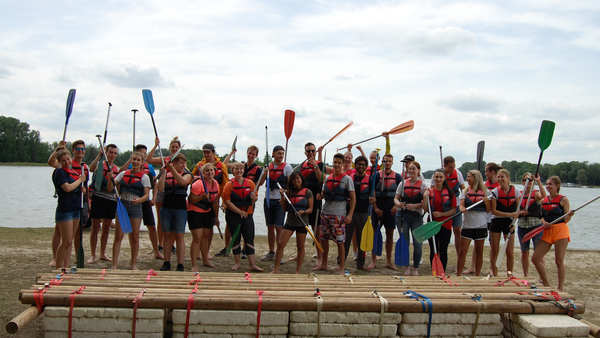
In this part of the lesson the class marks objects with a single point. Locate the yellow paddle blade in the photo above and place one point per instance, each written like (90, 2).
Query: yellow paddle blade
(366, 239)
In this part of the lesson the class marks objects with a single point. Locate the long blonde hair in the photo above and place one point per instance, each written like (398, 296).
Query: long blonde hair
(477, 182)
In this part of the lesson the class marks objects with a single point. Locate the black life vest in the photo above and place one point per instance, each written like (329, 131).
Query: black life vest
(240, 194)
(473, 197)
(172, 187)
(308, 171)
(390, 185)
(506, 202)
(534, 209)
(132, 183)
(334, 191)
(252, 173)
(362, 186)
(551, 208)
(299, 200)
(213, 192)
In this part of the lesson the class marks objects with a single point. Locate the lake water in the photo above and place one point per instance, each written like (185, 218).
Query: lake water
(26, 201)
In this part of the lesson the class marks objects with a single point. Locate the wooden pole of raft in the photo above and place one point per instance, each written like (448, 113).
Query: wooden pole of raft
(22, 319)
(594, 329)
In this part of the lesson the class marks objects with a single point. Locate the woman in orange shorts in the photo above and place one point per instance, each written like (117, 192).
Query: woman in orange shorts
(553, 207)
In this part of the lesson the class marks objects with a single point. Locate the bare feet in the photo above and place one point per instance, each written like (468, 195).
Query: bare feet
(407, 271)
(275, 271)
(337, 268)
(293, 257)
(92, 260)
(372, 265)
(256, 268)
(209, 264)
(194, 269)
(468, 271)
(415, 272)
(134, 268)
(363, 268)
(320, 267)
(391, 266)
(105, 258)
(158, 255)
(235, 267)
(114, 267)
(52, 263)
(209, 257)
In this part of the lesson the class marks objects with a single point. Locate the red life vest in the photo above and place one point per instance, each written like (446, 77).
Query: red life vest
(551, 208)
(132, 183)
(213, 192)
(362, 186)
(334, 191)
(251, 173)
(506, 202)
(390, 184)
(452, 180)
(441, 201)
(412, 192)
(105, 170)
(240, 194)
(277, 175)
(299, 200)
(491, 185)
(308, 171)
(473, 197)
(534, 209)
(218, 171)
(172, 187)
(77, 167)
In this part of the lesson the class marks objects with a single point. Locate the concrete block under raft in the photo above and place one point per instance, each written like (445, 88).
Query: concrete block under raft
(543, 326)
(345, 317)
(450, 330)
(342, 330)
(451, 318)
(231, 317)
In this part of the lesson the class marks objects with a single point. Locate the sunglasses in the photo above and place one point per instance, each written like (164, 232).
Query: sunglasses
(310, 151)
(79, 149)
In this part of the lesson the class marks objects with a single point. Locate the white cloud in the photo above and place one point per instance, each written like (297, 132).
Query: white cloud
(470, 100)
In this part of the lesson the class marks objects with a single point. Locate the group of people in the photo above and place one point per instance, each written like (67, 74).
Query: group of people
(331, 203)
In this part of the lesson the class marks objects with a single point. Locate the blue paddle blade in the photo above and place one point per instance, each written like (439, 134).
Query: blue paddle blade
(123, 217)
(378, 242)
(402, 258)
(148, 100)
(70, 101)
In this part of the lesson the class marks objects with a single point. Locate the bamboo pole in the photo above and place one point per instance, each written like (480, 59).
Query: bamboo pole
(22, 319)
(594, 329)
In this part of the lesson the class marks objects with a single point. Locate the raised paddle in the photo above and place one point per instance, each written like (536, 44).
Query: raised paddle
(121, 211)
(80, 253)
(480, 148)
(206, 192)
(134, 111)
(299, 217)
(437, 268)
(171, 161)
(441, 158)
(367, 236)
(402, 253)
(399, 129)
(339, 133)
(513, 224)
(544, 139)
(429, 229)
(233, 146)
(288, 127)
(267, 163)
(539, 229)
(69, 110)
(378, 240)
(149, 104)
(98, 178)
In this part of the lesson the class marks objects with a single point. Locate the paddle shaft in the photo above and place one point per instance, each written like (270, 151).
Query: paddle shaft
(512, 224)
(300, 217)
(134, 111)
(401, 128)
(441, 158)
(106, 126)
(80, 252)
(156, 134)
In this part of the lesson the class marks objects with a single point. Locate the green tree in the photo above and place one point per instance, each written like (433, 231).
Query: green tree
(20, 144)
(581, 177)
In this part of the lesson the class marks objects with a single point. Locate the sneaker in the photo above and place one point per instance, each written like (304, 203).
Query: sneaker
(282, 261)
(221, 253)
(160, 248)
(166, 266)
(173, 250)
(179, 267)
(354, 255)
(269, 257)
(244, 254)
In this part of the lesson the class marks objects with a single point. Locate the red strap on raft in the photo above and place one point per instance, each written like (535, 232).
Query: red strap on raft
(38, 297)
(248, 277)
(512, 279)
(72, 300)
(150, 274)
(190, 303)
(55, 281)
(451, 283)
(103, 272)
(136, 301)
(543, 294)
(260, 293)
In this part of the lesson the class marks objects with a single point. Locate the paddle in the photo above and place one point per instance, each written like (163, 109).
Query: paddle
(441, 158)
(317, 219)
(399, 129)
(97, 178)
(121, 211)
(80, 253)
(171, 161)
(331, 139)
(134, 111)
(368, 233)
(378, 240)
(206, 192)
(149, 104)
(268, 162)
(429, 229)
(480, 148)
(237, 231)
(513, 224)
(437, 268)
(233, 146)
(306, 226)
(401, 257)
(288, 127)
(544, 139)
(69, 110)
(539, 229)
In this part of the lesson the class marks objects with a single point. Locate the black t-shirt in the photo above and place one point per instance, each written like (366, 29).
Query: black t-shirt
(67, 201)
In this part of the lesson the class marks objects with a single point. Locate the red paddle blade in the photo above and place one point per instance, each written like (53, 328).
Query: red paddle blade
(404, 127)
(437, 269)
(288, 123)
(341, 131)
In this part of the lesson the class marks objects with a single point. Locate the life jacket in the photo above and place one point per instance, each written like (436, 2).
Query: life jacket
(105, 171)
(412, 192)
(334, 191)
(551, 208)
(443, 198)
(534, 209)
(240, 194)
(146, 170)
(308, 171)
(172, 187)
(132, 183)
(362, 186)
(73, 175)
(299, 200)
(491, 185)
(506, 202)
(218, 170)
(251, 172)
(213, 192)
(389, 184)
(473, 197)
(276, 175)
(452, 180)
(77, 167)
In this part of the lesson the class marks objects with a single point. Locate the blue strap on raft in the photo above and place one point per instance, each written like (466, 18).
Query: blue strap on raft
(425, 303)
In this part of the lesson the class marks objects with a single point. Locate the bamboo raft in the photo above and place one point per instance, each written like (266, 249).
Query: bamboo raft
(251, 291)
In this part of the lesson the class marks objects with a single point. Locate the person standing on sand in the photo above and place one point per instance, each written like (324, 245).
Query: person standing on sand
(134, 188)
(303, 201)
(363, 192)
(78, 148)
(386, 184)
(338, 188)
(238, 196)
(69, 188)
(174, 146)
(554, 206)
(203, 211)
(104, 203)
(456, 182)
(147, 214)
(312, 170)
(174, 184)
(529, 217)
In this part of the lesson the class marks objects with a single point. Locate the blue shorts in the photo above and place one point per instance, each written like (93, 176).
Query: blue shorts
(457, 221)
(66, 216)
(274, 214)
(173, 220)
(133, 210)
(526, 245)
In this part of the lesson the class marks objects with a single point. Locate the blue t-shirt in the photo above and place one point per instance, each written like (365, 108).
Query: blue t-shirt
(67, 201)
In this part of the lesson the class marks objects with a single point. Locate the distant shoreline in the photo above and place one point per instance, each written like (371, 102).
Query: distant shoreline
(22, 164)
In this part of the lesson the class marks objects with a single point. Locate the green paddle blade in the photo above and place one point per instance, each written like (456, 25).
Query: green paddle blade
(366, 239)
(546, 133)
(148, 100)
(426, 231)
(237, 232)
(98, 175)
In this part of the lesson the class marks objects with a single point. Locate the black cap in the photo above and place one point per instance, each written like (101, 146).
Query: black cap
(208, 147)
(408, 158)
(277, 148)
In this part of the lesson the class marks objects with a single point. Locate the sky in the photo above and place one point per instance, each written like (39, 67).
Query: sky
(464, 71)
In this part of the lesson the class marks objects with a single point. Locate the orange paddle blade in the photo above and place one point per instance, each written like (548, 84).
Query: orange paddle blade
(437, 269)
(288, 122)
(341, 131)
(314, 238)
(404, 127)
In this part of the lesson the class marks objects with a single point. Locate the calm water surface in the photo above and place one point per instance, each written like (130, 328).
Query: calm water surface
(26, 201)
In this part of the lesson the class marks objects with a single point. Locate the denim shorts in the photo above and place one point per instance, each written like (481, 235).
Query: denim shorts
(66, 216)
(526, 245)
(274, 214)
(133, 210)
(173, 220)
